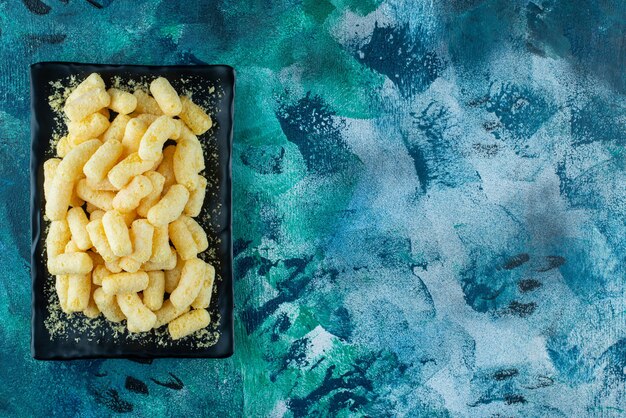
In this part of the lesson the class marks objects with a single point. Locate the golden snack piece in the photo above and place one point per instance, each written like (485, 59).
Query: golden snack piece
(93, 81)
(114, 265)
(189, 323)
(168, 263)
(102, 161)
(151, 144)
(99, 273)
(71, 166)
(122, 102)
(72, 263)
(179, 125)
(167, 313)
(142, 318)
(92, 126)
(203, 300)
(129, 197)
(76, 201)
(96, 214)
(61, 285)
(142, 237)
(129, 217)
(185, 166)
(172, 276)
(146, 118)
(197, 158)
(104, 185)
(160, 244)
(92, 310)
(129, 264)
(129, 167)
(190, 283)
(196, 198)
(169, 208)
(99, 198)
(157, 181)
(146, 103)
(77, 222)
(108, 305)
(86, 104)
(197, 232)
(59, 235)
(194, 116)
(63, 146)
(99, 240)
(182, 239)
(165, 96)
(155, 164)
(153, 294)
(135, 128)
(65, 175)
(116, 129)
(117, 233)
(49, 168)
(71, 247)
(166, 168)
(78, 292)
(120, 283)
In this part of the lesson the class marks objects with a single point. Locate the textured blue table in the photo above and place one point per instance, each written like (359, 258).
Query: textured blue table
(429, 202)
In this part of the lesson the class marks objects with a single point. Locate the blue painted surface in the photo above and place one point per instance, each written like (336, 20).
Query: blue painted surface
(429, 203)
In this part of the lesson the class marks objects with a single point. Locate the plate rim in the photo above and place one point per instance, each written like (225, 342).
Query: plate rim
(36, 211)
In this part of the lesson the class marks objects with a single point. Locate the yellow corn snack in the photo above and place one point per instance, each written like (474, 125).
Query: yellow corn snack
(99, 198)
(116, 129)
(129, 197)
(142, 318)
(61, 286)
(189, 323)
(157, 181)
(92, 126)
(203, 300)
(117, 233)
(190, 283)
(182, 239)
(153, 294)
(122, 102)
(108, 305)
(172, 276)
(159, 131)
(99, 240)
(72, 263)
(196, 198)
(146, 103)
(194, 117)
(165, 96)
(77, 222)
(170, 206)
(135, 128)
(167, 313)
(86, 104)
(78, 292)
(120, 283)
(131, 166)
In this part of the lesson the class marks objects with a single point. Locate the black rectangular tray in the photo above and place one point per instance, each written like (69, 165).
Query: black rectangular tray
(102, 344)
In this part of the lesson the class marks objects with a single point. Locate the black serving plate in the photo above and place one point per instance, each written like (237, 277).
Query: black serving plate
(103, 344)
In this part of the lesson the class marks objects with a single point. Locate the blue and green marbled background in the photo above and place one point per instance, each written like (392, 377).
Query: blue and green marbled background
(429, 205)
